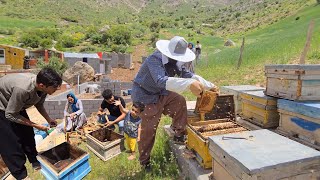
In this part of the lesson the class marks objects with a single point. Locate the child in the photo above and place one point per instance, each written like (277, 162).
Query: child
(132, 126)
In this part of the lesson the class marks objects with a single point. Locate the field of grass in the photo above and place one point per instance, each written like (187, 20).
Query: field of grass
(163, 163)
(280, 43)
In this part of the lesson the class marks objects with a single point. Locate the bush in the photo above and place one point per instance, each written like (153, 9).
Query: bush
(54, 63)
(67, 41)
(154, 26)
(119, 48)
(46, 43)
(96, 38)
(30, 40)
(120, 35)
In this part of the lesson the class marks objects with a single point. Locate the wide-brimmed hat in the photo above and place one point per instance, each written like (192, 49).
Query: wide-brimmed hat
(176, 48)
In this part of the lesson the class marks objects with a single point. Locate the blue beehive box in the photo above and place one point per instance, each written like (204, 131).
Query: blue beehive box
(300, 120)
(64, 162)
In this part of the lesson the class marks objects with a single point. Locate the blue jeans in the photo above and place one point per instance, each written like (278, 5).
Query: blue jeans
(102, 119)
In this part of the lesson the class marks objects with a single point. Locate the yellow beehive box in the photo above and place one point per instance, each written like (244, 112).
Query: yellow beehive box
(260, 109)
(198, 133)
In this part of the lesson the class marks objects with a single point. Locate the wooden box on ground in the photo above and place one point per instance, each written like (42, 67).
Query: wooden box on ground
(198, 133)
(64, 162)
(300, 120)
(105, 143)
(236, 91)
(4, 171)
(262, 154)
(260, 109)
(294, 82)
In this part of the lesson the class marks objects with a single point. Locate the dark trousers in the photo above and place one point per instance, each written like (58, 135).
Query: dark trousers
(173, 105)
(17, 142)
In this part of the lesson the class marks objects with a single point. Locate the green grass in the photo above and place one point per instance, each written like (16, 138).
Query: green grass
(280, 43)
(7, 22)
(163, 163)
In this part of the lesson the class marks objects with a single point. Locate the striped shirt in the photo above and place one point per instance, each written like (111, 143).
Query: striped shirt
(150, 82)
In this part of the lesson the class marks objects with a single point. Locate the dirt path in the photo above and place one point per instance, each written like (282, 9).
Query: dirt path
(127, 74)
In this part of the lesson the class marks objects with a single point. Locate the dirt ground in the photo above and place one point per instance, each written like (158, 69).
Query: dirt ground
(127, 75)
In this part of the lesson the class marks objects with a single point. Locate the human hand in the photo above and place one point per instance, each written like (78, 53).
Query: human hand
(196, 88)
(117, 102)
(109, 123)
(53, 123)
(215, 89)
(138, 138)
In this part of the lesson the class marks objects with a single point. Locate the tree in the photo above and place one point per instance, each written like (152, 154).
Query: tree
(54, 63)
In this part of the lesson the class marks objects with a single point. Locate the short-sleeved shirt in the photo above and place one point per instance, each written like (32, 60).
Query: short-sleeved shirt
(131, 125)
(114, 110)
(18, 92)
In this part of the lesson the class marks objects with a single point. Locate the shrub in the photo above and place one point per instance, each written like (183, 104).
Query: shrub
(54, 63)
(67, 41)
(154, 26)
(46, 43)
(120, 35)
(119, 48)
(30, 40)
(96, 38)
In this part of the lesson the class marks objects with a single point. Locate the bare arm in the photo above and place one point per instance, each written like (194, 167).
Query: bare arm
(139, 132)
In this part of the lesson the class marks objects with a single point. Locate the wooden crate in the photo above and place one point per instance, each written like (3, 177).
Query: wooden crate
(105, 143)
(260, 109)
(300, 120)
(236, 91)
(294, 82)
(64, 162)
(262, 154)
(198, 142)
(224, 108)
(4, 171)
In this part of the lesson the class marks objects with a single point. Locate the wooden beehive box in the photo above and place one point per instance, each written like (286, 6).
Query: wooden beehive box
(4, 171)
(223, 108)
(198, 133)
(105, 143)
(300, 120)
(262, 155)
(294, 82)
(260, 109)
(64, 162)
(236, 91)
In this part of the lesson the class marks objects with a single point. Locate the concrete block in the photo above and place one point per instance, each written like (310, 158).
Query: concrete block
(127, 61)
(122, 58)
(114, 60)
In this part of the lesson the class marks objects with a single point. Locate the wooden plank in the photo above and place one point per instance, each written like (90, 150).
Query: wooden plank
(261, 117)
(200, 146)
(259, 97)
(300, 126)
(220, 173)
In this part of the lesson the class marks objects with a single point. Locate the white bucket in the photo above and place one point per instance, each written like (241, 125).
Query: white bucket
(38, 139)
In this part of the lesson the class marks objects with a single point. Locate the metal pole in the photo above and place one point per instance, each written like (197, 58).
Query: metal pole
(78, 83)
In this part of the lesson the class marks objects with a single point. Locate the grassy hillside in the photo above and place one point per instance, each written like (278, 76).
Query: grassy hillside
(280, 43)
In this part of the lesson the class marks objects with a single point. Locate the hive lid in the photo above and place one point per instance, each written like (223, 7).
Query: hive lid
(265, 150)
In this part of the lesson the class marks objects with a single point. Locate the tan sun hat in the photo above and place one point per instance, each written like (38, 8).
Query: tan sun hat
(176, 48)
